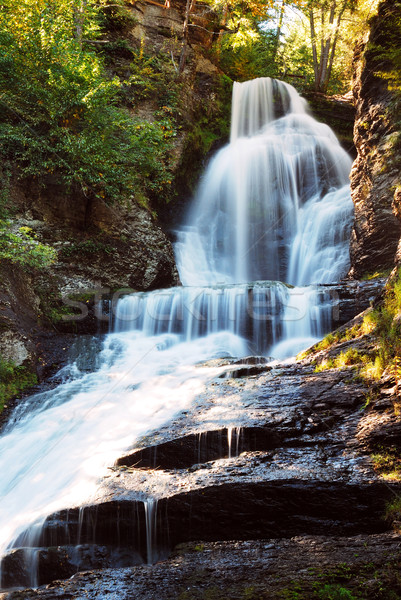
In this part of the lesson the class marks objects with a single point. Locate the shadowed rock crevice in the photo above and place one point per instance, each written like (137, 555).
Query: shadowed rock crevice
(115, 533)
(203, 447)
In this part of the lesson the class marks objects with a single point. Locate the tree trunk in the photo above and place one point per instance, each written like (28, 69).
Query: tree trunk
(223, 24)
(79, 19)
(279, 28)
(184, 50)
(314, 49)
(324, 58)
(323, 63)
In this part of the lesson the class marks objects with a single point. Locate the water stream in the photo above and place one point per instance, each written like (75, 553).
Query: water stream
(273, 211)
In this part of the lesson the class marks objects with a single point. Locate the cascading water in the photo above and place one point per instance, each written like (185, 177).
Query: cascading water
(273, 209)
(274, 205)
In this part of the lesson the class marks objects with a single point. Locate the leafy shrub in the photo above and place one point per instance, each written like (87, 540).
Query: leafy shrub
(334, 592)
(13, 379)
(22, 248)
(60, 115)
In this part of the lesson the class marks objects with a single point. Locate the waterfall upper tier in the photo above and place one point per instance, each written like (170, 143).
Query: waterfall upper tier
(271, 205)
(259, 101)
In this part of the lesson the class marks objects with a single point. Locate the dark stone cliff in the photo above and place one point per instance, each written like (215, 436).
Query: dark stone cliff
(375, 173)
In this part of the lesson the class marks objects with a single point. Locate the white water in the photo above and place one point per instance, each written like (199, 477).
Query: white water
(273, 205)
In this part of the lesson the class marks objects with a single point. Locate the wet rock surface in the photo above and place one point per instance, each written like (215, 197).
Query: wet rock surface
(227, 570)
(336, 111)
(272, 456)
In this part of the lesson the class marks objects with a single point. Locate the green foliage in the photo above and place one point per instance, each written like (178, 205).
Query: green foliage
(350, 358)
(327, 341)
(375, 275)
(384, 322)
(22, 248)
(255, 57)
(334, 591)
(13, 380)
(117, 16)
(393, 510)
(154, 77)
(269, 42)
(60, 116)
(5, 186)
(386, 51)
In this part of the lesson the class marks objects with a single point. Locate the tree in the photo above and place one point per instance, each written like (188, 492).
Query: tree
(325, 19)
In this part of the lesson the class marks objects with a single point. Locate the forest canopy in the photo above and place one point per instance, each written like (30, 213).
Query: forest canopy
(66, 115)
(307, 42)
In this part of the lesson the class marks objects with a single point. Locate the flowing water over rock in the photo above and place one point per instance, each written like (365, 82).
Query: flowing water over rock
(273, 209)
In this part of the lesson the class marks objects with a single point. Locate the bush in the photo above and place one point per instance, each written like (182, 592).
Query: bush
(60, 114)
(13, 379)
(22, 248)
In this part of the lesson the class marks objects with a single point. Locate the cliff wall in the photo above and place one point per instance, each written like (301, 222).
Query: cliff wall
(375, 174)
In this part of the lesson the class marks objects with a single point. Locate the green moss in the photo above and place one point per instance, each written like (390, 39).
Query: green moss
(61, 312)
(380, 580)
(393, 510)
(13, 380)
(332, 339)
(376, 581)
(385, 324)
(22, 248)
(375, 275)
(87, 247)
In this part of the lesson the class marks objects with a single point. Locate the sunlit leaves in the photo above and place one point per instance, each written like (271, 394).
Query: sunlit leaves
(21, 247)
(60, 114)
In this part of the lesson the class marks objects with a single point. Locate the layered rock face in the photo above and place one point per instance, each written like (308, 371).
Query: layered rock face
(374, 175)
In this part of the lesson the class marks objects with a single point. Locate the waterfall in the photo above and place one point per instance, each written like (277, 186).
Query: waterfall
(271, 220)
(273, 205)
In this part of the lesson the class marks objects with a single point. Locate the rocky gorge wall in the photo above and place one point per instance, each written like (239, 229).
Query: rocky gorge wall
(375, 175)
